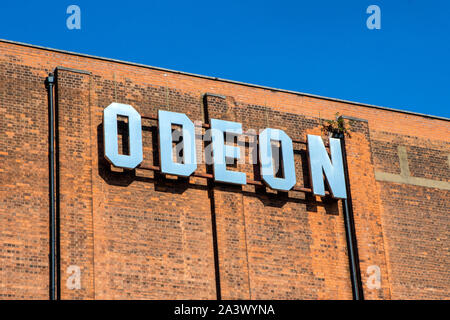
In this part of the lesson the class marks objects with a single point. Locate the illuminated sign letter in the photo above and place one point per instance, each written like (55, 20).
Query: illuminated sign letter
(287, 159)
(165, 121)
(110, 114)
(320, 164)
(221, 151)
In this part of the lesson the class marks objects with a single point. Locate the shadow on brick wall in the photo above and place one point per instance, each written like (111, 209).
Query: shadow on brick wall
(125, 177)
(180, 184)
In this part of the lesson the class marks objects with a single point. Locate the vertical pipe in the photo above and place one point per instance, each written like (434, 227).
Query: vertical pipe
(211, 186)
(50, 81)
(350, 233)
(214, 236)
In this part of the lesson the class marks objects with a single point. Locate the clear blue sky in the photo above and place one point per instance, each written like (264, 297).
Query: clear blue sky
(319, 47)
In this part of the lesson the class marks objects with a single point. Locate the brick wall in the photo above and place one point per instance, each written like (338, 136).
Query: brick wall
(137, 234)
(415, 213)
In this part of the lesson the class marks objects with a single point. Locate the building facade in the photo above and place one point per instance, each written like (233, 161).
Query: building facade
(140, 234)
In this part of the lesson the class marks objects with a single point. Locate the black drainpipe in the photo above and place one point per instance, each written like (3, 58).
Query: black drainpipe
(50, 81)
(350, 233)
(211, 187)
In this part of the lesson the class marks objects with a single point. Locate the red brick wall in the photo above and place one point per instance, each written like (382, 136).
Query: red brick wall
(136, 234)
(415, 218)
(24, 191)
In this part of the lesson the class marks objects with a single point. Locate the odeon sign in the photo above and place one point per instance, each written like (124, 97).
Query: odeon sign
(320, 164)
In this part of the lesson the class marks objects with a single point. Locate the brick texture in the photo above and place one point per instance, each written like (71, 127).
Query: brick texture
(136, 234)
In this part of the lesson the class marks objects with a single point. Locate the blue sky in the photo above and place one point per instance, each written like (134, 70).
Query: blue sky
(318, 47)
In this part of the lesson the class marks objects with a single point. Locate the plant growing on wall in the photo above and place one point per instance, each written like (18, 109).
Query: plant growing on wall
(336, 127)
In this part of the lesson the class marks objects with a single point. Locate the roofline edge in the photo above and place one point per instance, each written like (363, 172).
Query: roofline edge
(224, 80)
